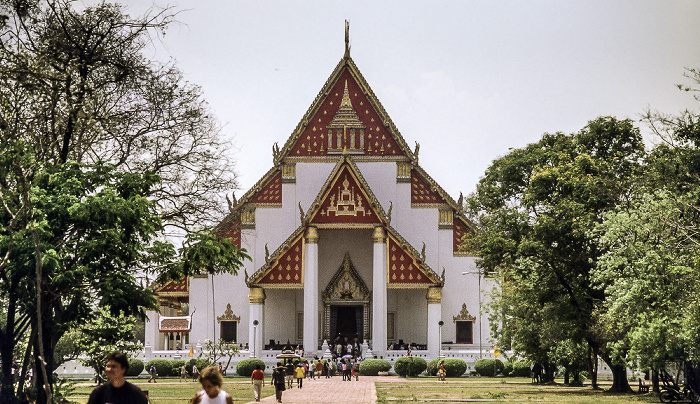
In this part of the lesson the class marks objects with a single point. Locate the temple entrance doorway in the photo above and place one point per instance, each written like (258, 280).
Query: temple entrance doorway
(346, 304)
(346, 322)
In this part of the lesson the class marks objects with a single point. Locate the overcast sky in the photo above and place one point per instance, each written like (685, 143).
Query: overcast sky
(466, 79)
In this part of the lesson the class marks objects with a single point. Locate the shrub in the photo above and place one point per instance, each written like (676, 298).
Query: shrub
(508, 368)
(175, 365)
(201, 364)
(163, 367)
(371, 367)
(521, 369)
(453, 367)
(499, 366)
(487, 367)
(135, 367)
(410, 366)
(247, 366)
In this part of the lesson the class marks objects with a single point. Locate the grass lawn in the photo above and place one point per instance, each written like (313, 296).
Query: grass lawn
(170, 391)
(501, 390)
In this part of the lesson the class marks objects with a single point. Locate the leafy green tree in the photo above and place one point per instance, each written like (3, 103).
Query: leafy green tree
(103, 334)
(535, 209)
(104, 154)
(219, 350)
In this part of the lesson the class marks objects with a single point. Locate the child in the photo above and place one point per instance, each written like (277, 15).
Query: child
(212, 381)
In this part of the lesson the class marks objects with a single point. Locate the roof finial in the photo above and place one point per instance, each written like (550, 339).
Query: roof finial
(347, 39)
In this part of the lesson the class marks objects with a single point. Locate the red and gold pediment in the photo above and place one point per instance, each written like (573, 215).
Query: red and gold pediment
(406, 268)
(422, 193)
(346, 201)
(459, 230)
(231, 229)
(285, 270)
(270, 194)
(173, 288)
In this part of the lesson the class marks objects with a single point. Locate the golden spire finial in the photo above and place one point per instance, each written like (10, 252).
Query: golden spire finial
(347, 39)
(345, 103)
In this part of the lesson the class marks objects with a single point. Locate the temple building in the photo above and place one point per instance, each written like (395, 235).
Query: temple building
(350, 240)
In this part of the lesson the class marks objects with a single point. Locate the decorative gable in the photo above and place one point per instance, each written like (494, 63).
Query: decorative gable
(346, 285)
(346, 201)
(232, 230)
(406, 269)
(422, 193)
(270, 195)
(286, 269)
(459, 230)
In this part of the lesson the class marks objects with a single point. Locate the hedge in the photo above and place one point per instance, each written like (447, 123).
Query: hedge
(247, 366)
(488, 367)
(135, 367)
(201, 364)
(372, 367)
(410, 366)
(163, 367)
(521, 369)
(453, 366)
(508, 368)
(176, 365)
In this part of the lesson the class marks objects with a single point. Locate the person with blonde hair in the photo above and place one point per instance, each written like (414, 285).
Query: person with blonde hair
(211, 381)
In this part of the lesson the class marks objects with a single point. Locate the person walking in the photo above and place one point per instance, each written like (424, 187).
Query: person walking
(290, 374)
(257, 379)
(183, 373)
(211, 392)
(278, 376)
(153, 373)
(195, 372)
(319, 368)
(117, 390)
(300, 375)
(329, 368)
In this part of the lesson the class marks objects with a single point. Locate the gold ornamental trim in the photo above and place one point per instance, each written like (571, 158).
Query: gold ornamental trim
(311, 235)
(228, 315)
(256, 295)
(434, 295)
(379, 235)
(463, 315)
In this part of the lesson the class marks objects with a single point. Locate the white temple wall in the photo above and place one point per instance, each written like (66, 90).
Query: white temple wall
(281, 308)
(411, 313)
(311, 176)
(333, 244)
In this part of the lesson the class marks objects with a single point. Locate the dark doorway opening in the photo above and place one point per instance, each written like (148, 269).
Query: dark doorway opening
(346, 323)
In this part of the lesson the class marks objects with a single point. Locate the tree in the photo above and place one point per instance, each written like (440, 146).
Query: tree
(213, 351)
(534, 209)
(104, 153)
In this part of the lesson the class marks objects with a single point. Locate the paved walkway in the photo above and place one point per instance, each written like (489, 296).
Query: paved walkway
(330, 391)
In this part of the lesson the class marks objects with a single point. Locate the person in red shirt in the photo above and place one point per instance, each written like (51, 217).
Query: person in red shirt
(257, 379)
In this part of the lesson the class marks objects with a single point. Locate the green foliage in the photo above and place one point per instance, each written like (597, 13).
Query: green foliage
(536, 209)
(507, 368)
(164, 367)
(136, 366)
(488, 367)
(410, 365)
(521, 369)
(247, 366)
(201, 364)
(454, 367)
(371, 367)
(103, 334)
(214, 351)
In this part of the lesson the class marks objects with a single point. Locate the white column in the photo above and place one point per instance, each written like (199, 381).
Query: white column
(311, 292)
(434, 298)
(256, 297)
(379, 277)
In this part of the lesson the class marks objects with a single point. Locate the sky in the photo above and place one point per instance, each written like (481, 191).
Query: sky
(468, 80)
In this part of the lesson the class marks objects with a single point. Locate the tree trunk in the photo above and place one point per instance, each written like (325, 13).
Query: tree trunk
(593, 367)
(620, 383)
(655, 381)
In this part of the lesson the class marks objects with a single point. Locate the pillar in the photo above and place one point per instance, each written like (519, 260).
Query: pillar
(379, 278)
(434, 298)
(311, 292)
(256, 298)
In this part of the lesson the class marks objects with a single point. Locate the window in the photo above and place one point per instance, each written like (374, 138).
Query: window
(464, 332)
(229, 330)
